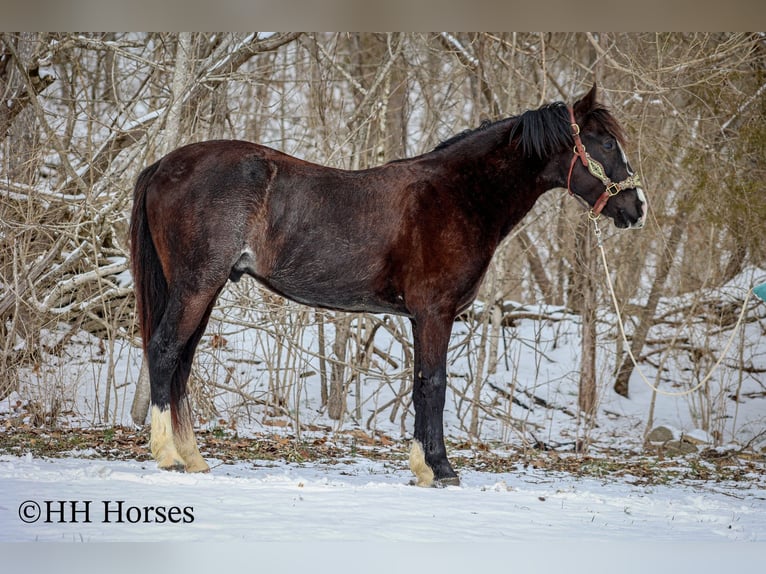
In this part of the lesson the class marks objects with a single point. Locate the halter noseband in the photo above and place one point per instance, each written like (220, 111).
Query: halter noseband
(596, 169)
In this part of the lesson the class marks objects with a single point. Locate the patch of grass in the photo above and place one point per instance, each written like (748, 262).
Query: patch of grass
(123, 443)
(112, 443)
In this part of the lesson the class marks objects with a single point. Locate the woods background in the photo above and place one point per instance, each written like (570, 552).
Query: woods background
(82, 114)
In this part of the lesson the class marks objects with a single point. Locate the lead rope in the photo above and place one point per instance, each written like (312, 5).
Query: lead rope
(620, 324)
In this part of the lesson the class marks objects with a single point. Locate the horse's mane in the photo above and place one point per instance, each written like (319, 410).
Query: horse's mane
(542, 132)
(464, 134)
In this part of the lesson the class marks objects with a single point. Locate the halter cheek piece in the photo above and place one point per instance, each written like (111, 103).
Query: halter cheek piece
(596, 170)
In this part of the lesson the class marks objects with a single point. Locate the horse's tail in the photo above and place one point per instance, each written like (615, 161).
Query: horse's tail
(150, 285)
(152, 295)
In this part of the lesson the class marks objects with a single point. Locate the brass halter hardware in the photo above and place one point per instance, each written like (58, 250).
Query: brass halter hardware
(596, 169)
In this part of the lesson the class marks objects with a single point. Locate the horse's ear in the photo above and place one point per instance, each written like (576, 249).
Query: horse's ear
(586, 103)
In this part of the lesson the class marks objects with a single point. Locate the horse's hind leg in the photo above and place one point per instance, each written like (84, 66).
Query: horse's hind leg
(170, 353)
(185, 441)
(428, 456)
(187, 444)
(162, 444)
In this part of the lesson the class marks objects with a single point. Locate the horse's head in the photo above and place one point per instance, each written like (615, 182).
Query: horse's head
(599, 172)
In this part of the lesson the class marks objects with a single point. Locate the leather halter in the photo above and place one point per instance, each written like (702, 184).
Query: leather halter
(596, 169)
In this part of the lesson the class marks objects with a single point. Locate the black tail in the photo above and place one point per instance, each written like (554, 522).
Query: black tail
(150, 285)
(152, 298)
(151, 289)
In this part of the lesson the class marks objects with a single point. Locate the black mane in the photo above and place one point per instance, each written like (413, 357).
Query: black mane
(464, 134)
(540, 132)
(543, 131)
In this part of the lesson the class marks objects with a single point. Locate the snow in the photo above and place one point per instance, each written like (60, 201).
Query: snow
(361, 501)
(364, 501)
(517, 518)
(529, 517)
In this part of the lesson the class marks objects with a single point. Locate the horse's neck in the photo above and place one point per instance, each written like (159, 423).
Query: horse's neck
(507, 187)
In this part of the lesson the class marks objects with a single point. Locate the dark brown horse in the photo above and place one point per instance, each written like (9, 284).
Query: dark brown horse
(412, 237)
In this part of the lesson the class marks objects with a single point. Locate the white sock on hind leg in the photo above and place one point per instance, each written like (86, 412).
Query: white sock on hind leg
(162, 445)
(186, 443)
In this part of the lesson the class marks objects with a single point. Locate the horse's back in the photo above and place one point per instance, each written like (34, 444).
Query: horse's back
(318, 235)
(214, 166)
(329, 236)
(377, 240)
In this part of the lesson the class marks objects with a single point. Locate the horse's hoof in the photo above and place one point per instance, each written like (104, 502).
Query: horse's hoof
(425, 475)
(439, 483)
(447, 481)
(419, 467)
(174, 467)
(198, 468)
(197, 464)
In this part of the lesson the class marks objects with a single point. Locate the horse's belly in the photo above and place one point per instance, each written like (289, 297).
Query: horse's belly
(337, 295)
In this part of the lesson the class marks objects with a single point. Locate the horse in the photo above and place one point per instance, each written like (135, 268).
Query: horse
(412, 237)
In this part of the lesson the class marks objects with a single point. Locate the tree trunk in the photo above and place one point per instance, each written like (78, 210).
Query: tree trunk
(319, 318)
(336, 402)
(586, 271)
(537, 267)
(140, 407)
(646, 316)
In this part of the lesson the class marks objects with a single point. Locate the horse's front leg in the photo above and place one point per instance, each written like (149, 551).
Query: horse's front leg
(428, 455)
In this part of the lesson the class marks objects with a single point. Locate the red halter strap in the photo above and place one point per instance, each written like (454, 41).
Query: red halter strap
(579, 148)
(596, 170)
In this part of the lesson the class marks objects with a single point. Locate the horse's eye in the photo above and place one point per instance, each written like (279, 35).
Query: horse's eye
(608, 145)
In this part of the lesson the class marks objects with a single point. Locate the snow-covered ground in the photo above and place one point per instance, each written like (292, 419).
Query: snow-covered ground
(548, 515)
(366, 518)
(366, 501)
